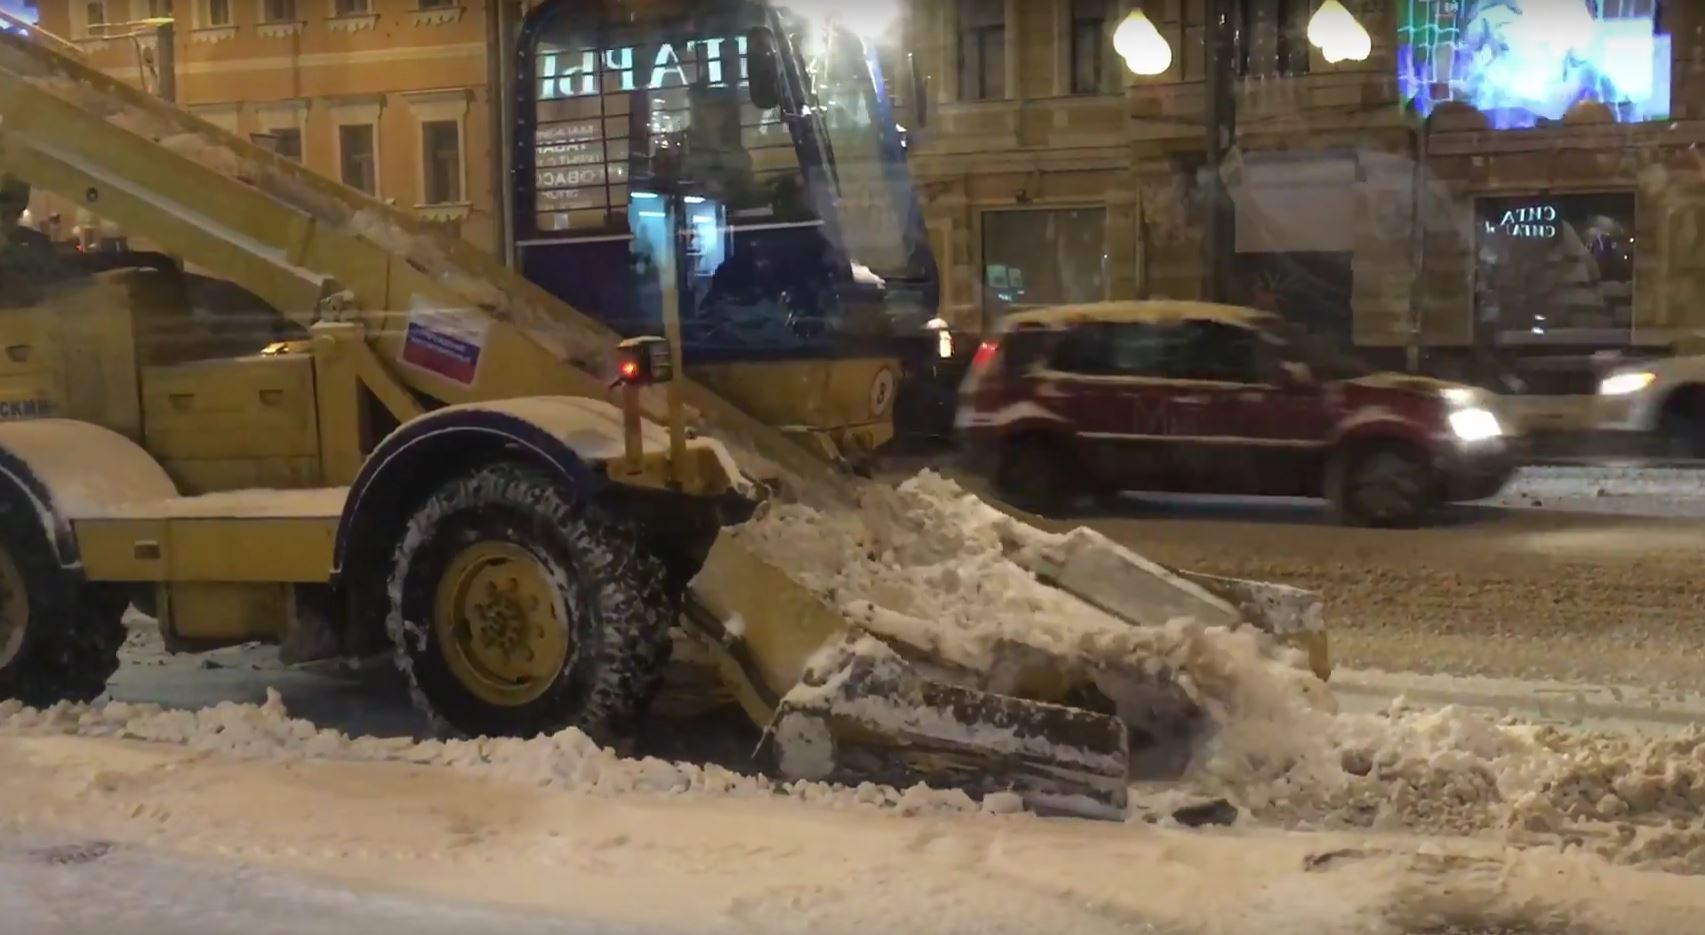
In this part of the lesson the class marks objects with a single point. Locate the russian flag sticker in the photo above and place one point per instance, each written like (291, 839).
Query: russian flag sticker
(445, 342)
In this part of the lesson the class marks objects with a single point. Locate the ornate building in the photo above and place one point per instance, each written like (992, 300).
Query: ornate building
(1052, 173)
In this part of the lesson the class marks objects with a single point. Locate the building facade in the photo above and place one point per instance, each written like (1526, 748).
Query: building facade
(1051, 173)
(390, 96)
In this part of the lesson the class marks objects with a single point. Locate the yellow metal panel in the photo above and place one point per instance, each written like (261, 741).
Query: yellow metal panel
(226, 613)
(210, 475)
(808, 393)
(30, 363)
(97, 347)
(250, 407)
(337, 394)
(229, 549)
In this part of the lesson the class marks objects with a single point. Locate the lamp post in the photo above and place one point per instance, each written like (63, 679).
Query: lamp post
(1333, 29)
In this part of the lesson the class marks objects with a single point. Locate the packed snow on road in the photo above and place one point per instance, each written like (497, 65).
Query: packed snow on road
(1373, 817)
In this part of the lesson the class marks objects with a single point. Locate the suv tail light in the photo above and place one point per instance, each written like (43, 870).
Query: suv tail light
(982, 381)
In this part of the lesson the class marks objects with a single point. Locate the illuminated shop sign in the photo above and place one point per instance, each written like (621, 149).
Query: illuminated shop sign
(1538, 222)
(570, 74)
(1525, 62)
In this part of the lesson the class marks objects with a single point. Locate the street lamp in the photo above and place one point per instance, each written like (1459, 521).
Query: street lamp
(1141, 45)
(1336, 33)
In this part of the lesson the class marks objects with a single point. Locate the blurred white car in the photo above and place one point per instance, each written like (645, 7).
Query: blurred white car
(1663, 399)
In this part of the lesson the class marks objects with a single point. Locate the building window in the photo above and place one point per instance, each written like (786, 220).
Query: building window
(1095, 68)
(278, 11)
(95, 12)
(1273, 38)
(357, 157)
(351, 7)
(159, 9)
(218, 13)
(1554, 277)
(1043, 257)
(982, 50)
(437, 4)
(285, 141)
(441, 166)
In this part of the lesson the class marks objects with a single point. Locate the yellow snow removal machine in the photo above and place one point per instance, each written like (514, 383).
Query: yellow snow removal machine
(374, 438)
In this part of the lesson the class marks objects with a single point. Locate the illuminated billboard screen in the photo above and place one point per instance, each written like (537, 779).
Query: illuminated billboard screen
(1527, 62)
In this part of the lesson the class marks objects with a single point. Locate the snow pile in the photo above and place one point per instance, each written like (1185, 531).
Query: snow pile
(1630, 798)
(568, 760)
(927, 564)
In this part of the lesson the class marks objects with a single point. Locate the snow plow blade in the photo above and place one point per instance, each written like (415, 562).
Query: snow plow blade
(1118, 581)
(842, 705)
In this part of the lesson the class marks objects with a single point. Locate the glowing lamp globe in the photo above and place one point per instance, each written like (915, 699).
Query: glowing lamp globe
(1141, 45)
(1336, 33)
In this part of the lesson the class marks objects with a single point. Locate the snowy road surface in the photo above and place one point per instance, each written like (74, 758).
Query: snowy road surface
(1575, 605)
(1579, 574)
(93, 887)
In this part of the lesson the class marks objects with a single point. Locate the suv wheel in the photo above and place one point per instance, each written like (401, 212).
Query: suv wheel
(1384, 486)
(1035, 475)
(1681, 425)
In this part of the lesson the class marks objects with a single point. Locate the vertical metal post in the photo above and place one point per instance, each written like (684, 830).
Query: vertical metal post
(502, 36)
(633, 441)
(668, 273)
(166, 61)
(1418, 246)
(1221, 119)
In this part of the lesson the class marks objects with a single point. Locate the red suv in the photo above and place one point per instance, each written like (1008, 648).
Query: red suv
(1197, 398)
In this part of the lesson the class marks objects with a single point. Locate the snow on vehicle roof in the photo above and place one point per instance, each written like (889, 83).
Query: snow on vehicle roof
(1055, 316)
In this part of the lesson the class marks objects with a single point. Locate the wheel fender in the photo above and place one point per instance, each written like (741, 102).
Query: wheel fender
(1380, 425)
(77, 470)
(571, 436)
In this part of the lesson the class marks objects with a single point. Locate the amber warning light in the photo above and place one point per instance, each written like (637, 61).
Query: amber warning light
(643, 361)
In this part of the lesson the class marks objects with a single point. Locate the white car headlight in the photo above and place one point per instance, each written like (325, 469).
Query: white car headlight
(1475, 425)
(1621, 384)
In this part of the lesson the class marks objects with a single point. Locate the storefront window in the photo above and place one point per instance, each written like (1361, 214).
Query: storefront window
(1556, 270)
(1043, 257)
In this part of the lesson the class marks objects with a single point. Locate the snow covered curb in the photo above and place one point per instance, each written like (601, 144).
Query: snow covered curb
(566, 761)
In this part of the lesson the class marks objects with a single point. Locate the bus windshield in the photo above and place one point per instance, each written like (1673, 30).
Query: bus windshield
(844, 86)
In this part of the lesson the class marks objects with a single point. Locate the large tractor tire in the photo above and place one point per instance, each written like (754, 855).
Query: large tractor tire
(59, 635)
(1387, 486)
(518, 609)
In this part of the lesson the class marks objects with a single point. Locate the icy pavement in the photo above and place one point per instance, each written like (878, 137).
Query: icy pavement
(92, 887)
(1631, 489)
(396, 844)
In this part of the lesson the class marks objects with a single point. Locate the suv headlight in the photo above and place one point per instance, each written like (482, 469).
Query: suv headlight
(1621, 384)
(1475, 424)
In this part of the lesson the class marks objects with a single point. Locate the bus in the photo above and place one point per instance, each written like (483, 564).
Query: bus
(804, 274)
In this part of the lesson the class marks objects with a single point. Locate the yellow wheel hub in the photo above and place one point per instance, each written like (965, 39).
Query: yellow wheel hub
(501, 623)
(14, 609)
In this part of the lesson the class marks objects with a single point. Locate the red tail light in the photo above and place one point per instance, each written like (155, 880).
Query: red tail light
(981, 388)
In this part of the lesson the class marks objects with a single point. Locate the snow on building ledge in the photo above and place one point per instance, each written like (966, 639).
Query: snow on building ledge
(279, 30)
(353, 23)
(438, 16)
(208, 35)
(445, 213)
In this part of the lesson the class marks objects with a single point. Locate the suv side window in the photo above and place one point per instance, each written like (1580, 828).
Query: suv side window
(1084, 349)
(1220, 352)
(1142, 349)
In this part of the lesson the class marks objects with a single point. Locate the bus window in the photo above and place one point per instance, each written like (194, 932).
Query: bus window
(609, 100)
